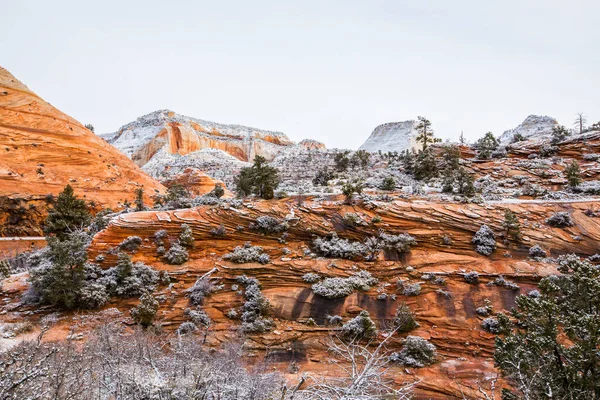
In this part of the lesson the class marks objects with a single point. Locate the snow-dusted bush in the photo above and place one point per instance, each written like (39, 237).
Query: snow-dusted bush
(145, 312)
(591, 157)
(411, 289)
(502, 282)
(537, 252)
(267, 224)
(160, 237)
(484, 241)
(471, 277)
(588, 187)
(404, 319)
(128, 279)
(186, 238)
(444, 293)
(483, 311)
(247, 254)
(416, 352)
(333, 319)
(533, 190)
(132, 243)
(560, 220)
(255, 308)
(333, 288)
(486, 185)
(198, 317)
(534, 293)
(202, 288)
(491, 325)
(311, 277)
(400, 243)
(359, 327)
(176, 255)
(332, 246)
(186, 327)
(352, 219)
(219, 231)
(93, 295)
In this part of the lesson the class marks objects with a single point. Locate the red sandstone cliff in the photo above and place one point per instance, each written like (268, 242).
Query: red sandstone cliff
(43, 149)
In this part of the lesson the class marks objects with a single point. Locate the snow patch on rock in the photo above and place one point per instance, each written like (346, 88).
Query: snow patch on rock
(534, 127)
(392, 136)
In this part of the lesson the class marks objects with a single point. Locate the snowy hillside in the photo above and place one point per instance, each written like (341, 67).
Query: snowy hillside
(533, 128)
(178, 134)
(393, 136)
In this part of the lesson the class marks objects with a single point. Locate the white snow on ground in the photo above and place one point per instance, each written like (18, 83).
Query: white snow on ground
(393, 136)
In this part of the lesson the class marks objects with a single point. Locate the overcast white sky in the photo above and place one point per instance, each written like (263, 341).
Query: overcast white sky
(328, 70)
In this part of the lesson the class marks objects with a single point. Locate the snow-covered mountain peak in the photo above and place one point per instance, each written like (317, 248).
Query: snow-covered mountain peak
(532, 128)
(392, 136)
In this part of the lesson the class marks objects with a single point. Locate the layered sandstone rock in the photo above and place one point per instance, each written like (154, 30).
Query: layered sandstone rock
(197, 182)
(177, 134)
(445, 312)
(43, 150)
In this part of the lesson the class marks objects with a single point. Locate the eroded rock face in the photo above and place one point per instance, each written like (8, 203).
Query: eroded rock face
(311, 144)
(197, 182)
(42, 150)
(166, 130)
(446, 312)
(392, 136)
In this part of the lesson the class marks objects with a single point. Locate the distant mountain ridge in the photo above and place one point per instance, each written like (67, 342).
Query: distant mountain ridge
(143, 138)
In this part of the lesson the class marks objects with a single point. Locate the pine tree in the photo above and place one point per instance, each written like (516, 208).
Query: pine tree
(465, 182)
(186, 238)
(425, 136)
(461, 139)
(145, 313)
(408, 161)
(425, 167)
(559, 133)
(259, 179)
(67, 214)
(573, 174)
(218, 191)
(139, 199)
(548, 347)
(59, 282)
(486, 146)
(512, 225)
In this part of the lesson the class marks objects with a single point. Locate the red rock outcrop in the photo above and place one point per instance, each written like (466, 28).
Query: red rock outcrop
(446, 313)
(197, 182)
(43, 150)
(177, 134)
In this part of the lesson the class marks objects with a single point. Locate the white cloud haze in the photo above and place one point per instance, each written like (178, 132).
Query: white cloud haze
(328, 70)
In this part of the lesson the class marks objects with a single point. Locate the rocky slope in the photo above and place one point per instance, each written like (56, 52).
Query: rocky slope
(44, 149)
(445, 311)
(144, 138)
(534, 127)
(393, 136)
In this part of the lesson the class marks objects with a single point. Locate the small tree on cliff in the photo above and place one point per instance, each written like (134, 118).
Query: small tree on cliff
(67, 214)
(139, 199)
(425, 136)
(549, 349)
(512, 225)
(573, 174)
(486, 146)
(259, 179)
(59, 281)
